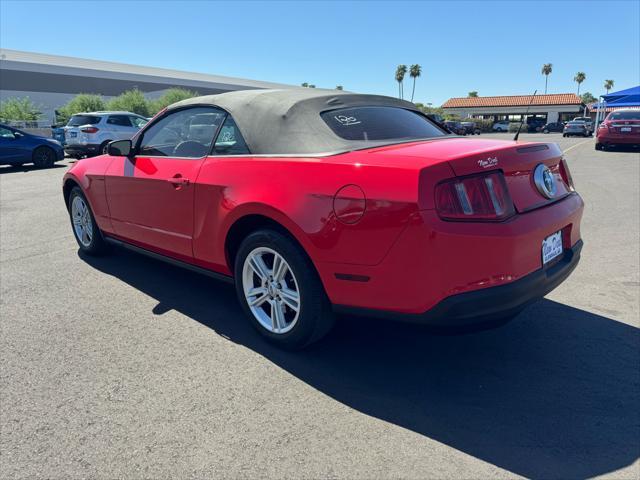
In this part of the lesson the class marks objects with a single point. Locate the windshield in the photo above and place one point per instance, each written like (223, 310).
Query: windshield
(635, 115)
(380, 123)
(78, 120)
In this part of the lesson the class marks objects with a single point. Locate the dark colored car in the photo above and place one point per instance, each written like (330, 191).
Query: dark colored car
(621, 127)
(553, 127)
(575, 128)
(535, 124)
(471, 128)
(18, 147)
(455, 127)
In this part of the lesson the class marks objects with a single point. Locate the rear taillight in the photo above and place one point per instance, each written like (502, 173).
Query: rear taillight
(566, 174)
(89, 130)
(475, 198)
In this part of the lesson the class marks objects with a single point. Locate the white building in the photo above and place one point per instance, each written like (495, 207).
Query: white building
(553, 107)
(50, 81)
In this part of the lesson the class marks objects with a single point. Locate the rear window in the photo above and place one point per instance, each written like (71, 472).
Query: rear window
(625, 115)
(379, 123)
(78, 120)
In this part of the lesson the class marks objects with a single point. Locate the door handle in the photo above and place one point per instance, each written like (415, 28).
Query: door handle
(178, 181)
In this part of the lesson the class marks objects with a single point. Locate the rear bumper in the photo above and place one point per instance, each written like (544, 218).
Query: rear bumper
(433, 260)
(489, 304)
(618, 139)
(81, 149)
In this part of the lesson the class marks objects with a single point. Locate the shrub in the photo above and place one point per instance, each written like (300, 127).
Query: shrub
(81, 103)
(172, 95)
(19, 109)
(513, 127)
(130, 101)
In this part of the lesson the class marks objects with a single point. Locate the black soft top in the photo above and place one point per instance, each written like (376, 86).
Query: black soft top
(288, 122)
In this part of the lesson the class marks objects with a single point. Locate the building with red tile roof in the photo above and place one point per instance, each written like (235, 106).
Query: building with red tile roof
(551, 107)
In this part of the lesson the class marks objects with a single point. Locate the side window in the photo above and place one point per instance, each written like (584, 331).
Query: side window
(120, 120)
(6, 133)
(138, 122)
(186, 133)
(230, 141)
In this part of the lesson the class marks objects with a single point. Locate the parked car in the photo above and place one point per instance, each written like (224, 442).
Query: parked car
(470, 128)
(535, 124)
(18, 147)
(587, 121)
(553, 127)
(314, 202)
(501, 126)
(88, 134)
(455, 127)
(575, 128)
(621, 127)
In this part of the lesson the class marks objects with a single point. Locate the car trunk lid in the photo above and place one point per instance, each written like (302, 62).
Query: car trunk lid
(467, 156)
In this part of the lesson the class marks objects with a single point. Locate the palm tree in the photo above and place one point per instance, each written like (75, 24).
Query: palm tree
(473, 94)
(579, 78)
(401, 71)
(414, 72)
(546, 70)
(608, 85)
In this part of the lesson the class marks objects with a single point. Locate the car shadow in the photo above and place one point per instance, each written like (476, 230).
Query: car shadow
(27, 168)
(553, 394)
(623, 149)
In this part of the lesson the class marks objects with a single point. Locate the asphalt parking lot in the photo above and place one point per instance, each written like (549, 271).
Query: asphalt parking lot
(127, 367)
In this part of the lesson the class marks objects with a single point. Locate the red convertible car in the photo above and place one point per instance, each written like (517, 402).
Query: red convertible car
(321, 202)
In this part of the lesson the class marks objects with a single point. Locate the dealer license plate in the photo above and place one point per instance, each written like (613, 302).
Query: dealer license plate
(551, 247)
(625, 129)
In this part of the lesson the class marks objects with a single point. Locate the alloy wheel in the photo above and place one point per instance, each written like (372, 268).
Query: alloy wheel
(271, 290)
(82, 224)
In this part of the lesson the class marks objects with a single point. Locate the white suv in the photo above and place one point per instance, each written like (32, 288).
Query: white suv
(88, 134)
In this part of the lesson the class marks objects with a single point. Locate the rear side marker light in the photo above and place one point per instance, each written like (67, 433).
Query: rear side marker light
(89, 130)
(475, 198)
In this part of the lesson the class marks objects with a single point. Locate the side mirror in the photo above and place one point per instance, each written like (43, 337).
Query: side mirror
(120, 148)
(17, 135)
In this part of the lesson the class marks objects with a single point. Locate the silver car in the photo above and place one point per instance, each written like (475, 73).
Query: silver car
(88, 134)
(576, 128)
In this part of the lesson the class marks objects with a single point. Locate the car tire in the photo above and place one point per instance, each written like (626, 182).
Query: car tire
(103, 147)
(598, 146)
(274, 298)
(43, 157)
(84, 226)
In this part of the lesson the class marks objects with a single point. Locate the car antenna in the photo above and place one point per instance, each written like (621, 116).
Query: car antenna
(525, 116)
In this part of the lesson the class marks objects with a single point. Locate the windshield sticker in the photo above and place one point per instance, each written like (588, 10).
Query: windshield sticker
(347, 120)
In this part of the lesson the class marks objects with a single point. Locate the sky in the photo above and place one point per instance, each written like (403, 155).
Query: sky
(495, 48)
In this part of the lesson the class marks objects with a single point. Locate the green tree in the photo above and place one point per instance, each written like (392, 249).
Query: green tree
(401, 71)
(305, 85)
(84, 102)
(339, 87)
(414, 72)
(608, 85)
(15, 108)
(169, 97)
(547, 68)
(588, 98)
(130, 101)
(579, 78)
(311, 85)
(473, 94)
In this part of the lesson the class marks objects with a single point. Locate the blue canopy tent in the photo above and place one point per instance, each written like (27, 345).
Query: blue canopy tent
(629, 97)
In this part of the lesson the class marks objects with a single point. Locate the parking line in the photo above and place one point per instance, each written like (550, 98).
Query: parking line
(576, 145)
